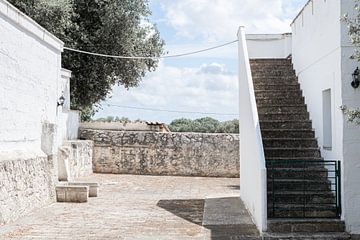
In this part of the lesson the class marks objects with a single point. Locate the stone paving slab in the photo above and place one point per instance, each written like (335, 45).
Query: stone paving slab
(129, 207)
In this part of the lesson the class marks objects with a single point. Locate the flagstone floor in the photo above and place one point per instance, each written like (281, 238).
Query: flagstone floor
(130, 207)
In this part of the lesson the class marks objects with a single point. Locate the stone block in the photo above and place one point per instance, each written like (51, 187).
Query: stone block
(77, 194)
(93, 187)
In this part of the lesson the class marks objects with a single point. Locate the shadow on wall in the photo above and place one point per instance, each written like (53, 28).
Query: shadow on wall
(193, 210)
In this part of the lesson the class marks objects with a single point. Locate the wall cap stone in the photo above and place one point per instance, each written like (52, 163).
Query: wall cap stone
(11, 13)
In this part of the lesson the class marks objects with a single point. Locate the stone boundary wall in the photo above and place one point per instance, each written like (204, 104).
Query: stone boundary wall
(26, 183)
(153, 153)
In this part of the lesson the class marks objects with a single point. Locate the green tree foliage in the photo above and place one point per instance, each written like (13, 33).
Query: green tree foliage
(114, 27)
(231, 126)
(204, 125)
(354, 29)
(53, 15)
(353, 115)
(113, 119)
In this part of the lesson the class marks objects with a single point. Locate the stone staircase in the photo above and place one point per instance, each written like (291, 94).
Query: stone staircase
(293, 158)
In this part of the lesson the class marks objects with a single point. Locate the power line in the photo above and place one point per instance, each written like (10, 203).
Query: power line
(144, 57)
(172, 111)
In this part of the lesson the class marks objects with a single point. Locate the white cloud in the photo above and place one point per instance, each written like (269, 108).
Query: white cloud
(218, 20)
(185, 89)
(213, 68)
(200, 24)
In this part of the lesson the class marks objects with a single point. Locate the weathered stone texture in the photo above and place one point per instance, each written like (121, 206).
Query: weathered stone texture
(75, 160)
(184, 154)
(24, 185)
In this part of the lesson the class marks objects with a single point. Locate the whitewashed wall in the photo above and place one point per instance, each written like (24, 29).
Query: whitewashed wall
(269, 45)
(253, 188)
(351, 133)
(317, 61)
(30, 63)
(68, 120)
(32, 125)
(321, 53)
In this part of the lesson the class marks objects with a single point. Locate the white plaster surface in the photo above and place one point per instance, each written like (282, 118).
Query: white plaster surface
(269, 45)
(321, 52)
(32, 126)
(253, 189)
(28, 89)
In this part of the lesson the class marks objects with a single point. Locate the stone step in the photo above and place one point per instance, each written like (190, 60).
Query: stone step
(261, 101)
(284, 116)
(299, 164)
(286, 124)
(306, 236)
(74, 194)
(290, 142)
(259, 66)
(301, 211)
(228, 218)
(272, 72)
(294, 173)
(287, 133)
(274, 86)
(279, 80)
(300, 108)
(314, 197)
(305, 225)
(299, 185)
(278, 94)
(292, 152)
(287, 79)
(271, 61)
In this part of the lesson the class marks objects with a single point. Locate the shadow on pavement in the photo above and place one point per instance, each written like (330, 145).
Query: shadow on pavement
(226, 218)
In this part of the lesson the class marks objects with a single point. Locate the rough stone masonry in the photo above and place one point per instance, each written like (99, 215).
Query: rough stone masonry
(153, 153)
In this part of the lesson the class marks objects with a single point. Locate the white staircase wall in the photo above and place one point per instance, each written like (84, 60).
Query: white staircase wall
(253, 189)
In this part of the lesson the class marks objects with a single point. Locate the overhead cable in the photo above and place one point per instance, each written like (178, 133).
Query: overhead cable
(146, 57)
(172, 111)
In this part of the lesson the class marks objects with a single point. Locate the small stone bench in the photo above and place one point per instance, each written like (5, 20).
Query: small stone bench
(66, 193)
(93, 187)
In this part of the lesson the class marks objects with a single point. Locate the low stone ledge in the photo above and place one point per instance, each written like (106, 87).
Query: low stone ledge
(93, 187)
(76, 194)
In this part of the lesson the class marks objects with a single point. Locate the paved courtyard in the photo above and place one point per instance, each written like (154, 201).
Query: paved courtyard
(136, 207)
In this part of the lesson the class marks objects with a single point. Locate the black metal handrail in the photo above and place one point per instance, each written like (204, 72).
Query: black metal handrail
(304, 189)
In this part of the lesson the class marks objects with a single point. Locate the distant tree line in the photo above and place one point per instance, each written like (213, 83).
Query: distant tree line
(204, 125)
(201, 125)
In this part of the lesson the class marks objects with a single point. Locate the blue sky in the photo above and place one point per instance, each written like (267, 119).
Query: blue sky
(205, 82)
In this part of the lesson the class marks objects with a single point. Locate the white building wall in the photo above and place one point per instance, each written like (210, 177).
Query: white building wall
(351, 132)
(30, 83)
(269, 45)
(30, 63)
(321, 53)
(316, 58)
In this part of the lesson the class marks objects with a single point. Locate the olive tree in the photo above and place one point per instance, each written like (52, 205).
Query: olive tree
(113, 27)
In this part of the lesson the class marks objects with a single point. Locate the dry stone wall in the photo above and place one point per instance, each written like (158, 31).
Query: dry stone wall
(25, 184)
(181, 154)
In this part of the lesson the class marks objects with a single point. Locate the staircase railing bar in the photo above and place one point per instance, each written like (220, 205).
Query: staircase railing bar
(303, 167)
